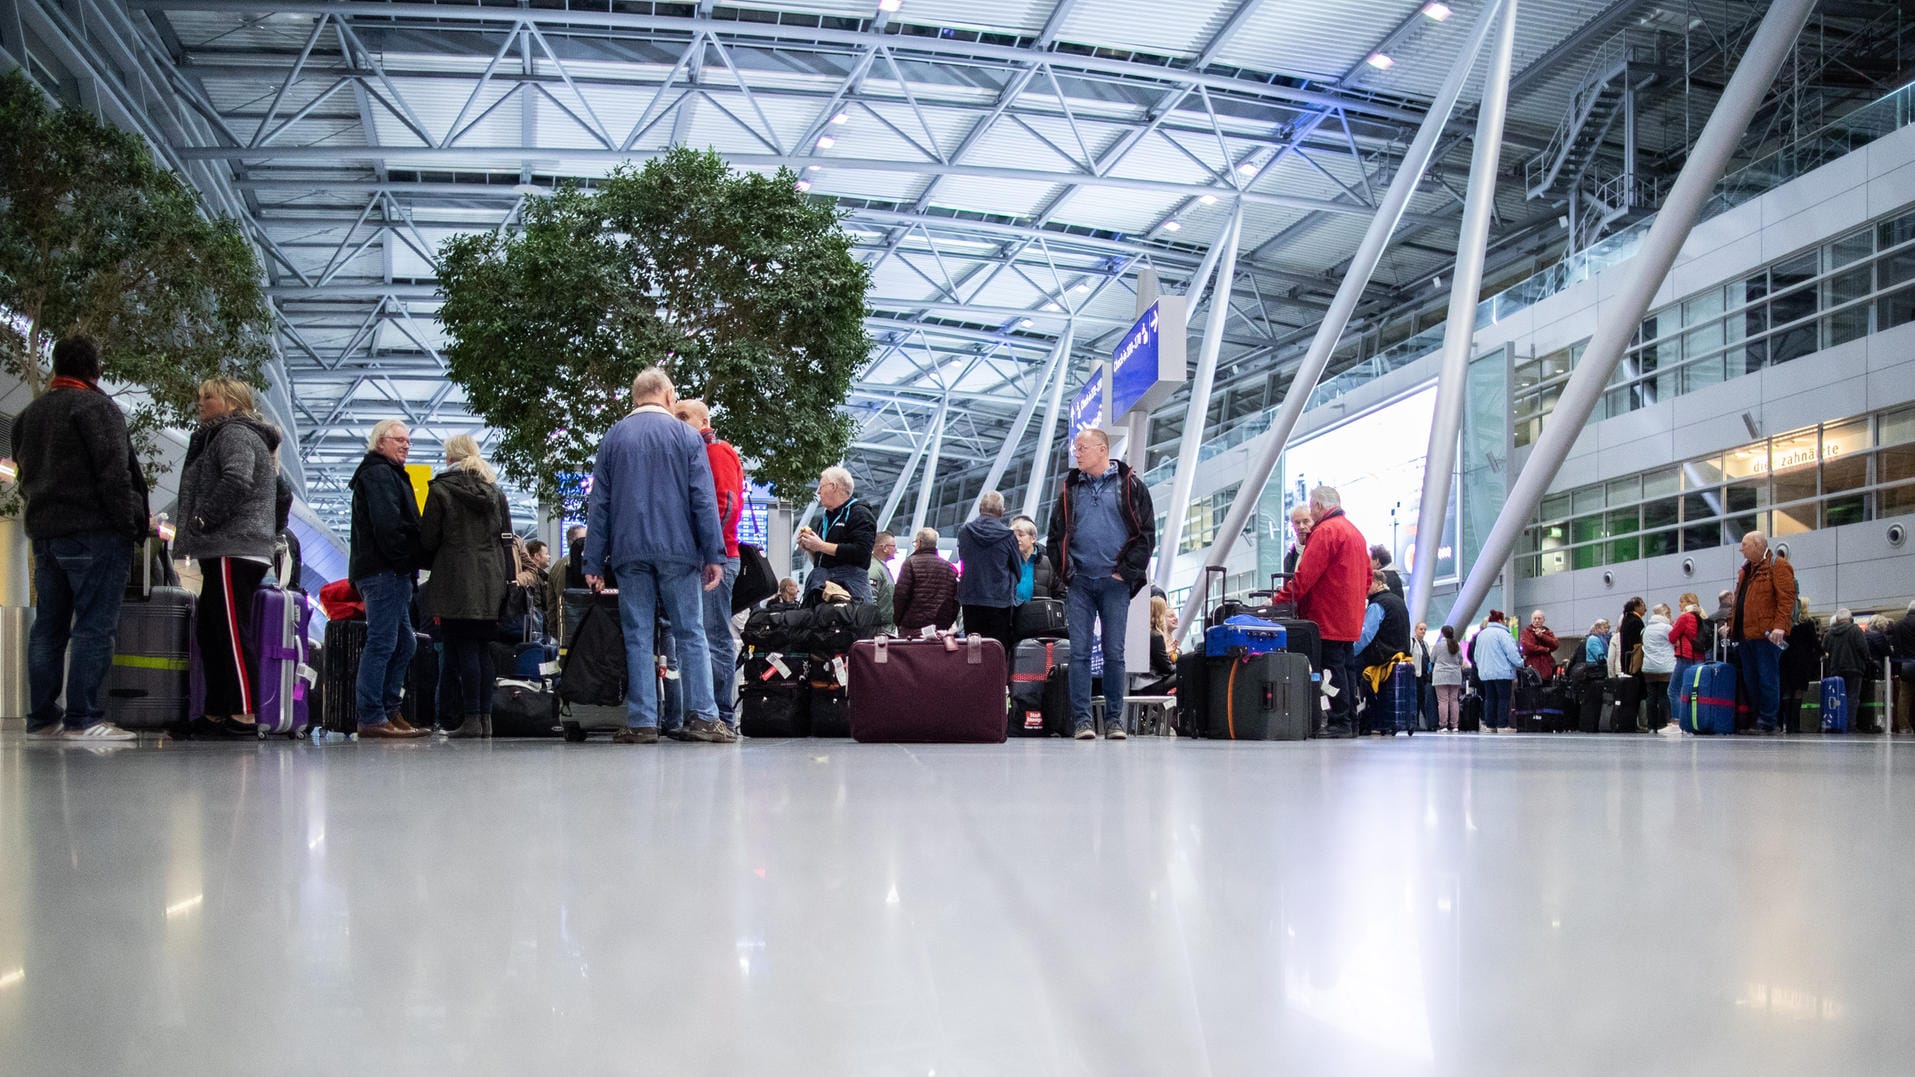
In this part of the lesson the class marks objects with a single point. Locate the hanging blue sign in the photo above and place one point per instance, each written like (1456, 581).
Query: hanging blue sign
(1091, 407)
(1149, 361)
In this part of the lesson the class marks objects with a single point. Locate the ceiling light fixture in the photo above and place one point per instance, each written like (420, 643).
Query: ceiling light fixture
(1436, 11)
(1080, 288)
(1381, 61)
(841, 119)
(1173, 226)
(803, 186)
(825, 142)
(1247, 169)
(1052, 307)
(1208, 200)
(813, 168)
(1026, 323)
(890, 5)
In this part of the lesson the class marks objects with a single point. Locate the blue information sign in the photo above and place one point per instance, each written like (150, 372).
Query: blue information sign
(1149, 360)
(1091, 406)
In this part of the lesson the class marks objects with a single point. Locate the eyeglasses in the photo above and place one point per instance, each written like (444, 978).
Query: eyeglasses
(397, 438)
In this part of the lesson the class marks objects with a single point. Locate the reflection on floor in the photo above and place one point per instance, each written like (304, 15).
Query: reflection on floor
(1441, 905)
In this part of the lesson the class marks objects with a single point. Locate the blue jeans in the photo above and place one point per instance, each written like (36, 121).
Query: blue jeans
(1496, 703)
(643, 587)
(80, 580)
(1087, 600)
(1679, 690)
(384, 663)
(724, 653)
(1761, 675)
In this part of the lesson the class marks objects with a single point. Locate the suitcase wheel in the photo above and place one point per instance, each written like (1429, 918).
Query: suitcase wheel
(574, 732)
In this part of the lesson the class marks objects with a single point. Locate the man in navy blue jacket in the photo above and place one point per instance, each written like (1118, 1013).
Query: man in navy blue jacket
(653, 518)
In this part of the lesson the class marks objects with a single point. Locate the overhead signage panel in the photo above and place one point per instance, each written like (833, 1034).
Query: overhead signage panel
(1149, 361)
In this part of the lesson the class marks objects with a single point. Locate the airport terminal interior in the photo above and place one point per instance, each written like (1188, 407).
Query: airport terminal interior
(1561, 299)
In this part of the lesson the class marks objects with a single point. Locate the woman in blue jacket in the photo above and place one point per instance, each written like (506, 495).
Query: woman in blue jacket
(1497, 660)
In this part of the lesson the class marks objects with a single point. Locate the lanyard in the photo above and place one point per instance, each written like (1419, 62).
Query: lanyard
(844, 511)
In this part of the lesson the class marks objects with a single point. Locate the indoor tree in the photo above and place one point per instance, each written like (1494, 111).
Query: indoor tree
(741, 287)
(97, 238)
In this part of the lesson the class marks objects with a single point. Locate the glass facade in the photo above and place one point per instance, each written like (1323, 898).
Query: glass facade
(1820, 476)
(1845, 289)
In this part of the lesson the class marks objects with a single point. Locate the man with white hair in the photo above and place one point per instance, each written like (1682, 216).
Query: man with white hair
(1331, 587)
(1300, 524)
(1764, 603)
(841, 550)
(384, 567)
(987, 592)
(653, 519)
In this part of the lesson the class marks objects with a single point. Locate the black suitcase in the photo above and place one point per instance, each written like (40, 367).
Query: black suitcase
(774, 708)
(345, 642)
(1259, 697)
(149, 684)
(1033, 662)
(420, 704)
(1193, 696)
(592, 672)
(1596, 698)
(1040, 618)
(828, 709)
(1621, 712)
(524, 709)
(1470, 718)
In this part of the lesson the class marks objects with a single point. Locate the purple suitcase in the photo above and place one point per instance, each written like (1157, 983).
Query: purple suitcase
(919, 691)
(280, 620)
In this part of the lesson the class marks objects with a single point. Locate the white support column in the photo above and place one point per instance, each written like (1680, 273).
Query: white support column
(1046, 433)
(1460, 333)
(931, 465)
(1199, 407)
(1638, 280)
(1015, 437)
(1389, 212)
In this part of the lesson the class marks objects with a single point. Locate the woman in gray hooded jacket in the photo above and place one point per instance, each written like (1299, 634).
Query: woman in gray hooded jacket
(228, 488)
(465, 533)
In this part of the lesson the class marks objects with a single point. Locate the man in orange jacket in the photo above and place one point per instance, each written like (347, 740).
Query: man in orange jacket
(1331, 587)
(1764, 610)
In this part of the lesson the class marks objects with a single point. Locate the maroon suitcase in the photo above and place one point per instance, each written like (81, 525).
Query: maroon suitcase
(917, 691)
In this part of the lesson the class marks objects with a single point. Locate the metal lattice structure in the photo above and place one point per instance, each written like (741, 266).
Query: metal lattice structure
(1007, 166)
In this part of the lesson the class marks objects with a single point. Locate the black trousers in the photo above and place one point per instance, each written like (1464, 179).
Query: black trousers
(468, 657)
(223, 623)
(994, 622)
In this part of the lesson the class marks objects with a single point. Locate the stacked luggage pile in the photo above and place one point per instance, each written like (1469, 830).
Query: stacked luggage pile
(1258, 676)
(1040, 671)
(797, 669)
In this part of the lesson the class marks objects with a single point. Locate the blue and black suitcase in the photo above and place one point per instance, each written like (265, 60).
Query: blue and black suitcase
(1711, 692)
(1835, 705)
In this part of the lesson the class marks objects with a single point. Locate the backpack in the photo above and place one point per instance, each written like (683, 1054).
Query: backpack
(1705, 637)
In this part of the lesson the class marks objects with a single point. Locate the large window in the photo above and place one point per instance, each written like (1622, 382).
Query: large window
(1819, 476)
(1854, 285)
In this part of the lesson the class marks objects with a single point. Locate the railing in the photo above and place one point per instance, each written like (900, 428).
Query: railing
(1872, 121)
(1609, 63)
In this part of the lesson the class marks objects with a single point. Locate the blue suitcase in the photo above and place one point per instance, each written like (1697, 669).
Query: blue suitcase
(1243, 635)
(1835, 705)
(1397, 710)
(1711, 692)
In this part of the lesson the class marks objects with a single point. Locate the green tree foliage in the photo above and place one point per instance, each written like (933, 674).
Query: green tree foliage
(97, 238)
(745, 291)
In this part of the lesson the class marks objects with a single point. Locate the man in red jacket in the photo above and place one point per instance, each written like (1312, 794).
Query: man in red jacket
(728, 474)
(1331, 587)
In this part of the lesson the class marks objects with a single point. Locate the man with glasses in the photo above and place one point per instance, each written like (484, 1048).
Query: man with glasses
(841, 552)
(384, 567)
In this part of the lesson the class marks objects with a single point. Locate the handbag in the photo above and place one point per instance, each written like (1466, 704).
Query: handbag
(1635, 660)
(756, 581)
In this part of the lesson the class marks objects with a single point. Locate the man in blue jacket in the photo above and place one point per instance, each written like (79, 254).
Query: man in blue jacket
(987, 592)
(653, 518)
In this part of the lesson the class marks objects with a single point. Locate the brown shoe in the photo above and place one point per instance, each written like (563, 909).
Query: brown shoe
(398, 721)
(388, 731)
(632, 734)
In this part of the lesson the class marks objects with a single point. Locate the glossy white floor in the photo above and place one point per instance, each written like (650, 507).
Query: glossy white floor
(1459, 905)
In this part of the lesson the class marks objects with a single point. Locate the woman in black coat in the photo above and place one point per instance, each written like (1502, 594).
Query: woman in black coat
(461, 534)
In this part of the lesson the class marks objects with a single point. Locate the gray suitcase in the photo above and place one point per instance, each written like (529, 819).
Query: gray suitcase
(150, 681)
(1259, 697)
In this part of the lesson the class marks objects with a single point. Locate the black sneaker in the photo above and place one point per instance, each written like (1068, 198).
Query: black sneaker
(1336, 732)
(677, 732)
(632, 734)
(1758, 731)
(1085, 732)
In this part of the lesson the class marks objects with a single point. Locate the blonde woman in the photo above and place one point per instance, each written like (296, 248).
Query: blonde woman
(1163, 650)
(227, 490)
(460, 531)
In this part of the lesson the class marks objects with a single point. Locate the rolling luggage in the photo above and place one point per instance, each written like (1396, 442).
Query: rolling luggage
(1561, 707)
(1526, 702)
(1833, 694)
(1193, 695)
(524, 708)
(1597, 698)
(1040, 618)
(345, 642)
(1395, 708)
(1259, 697)
(1712, 704)
(1620, 715)
(773, 709)
(1241, 635)
(933, 690)
(420, 704)
(1470, 716)
(592, 679)
(280, 620)
(1032, 663)
(149, 684)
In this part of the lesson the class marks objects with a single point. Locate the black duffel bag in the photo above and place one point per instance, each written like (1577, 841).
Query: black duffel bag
(1040, 618)
(524, 709)
(835, 626)
(786, 631)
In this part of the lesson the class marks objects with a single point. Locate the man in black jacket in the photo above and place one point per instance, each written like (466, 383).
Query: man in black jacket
(384, 566)
(85, 508)
(1102, 531)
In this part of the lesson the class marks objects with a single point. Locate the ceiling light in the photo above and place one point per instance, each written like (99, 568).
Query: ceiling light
(1026, 323)
(1052, 307)
(813, 168)
(803, 186)
(1081, 288)
(841, 118)
(1437, 281)
(1173, 226)
(1436, 11)
(1208, 200)
(1381, 61)
(1247, 168)
(825, 142)
(890, 5)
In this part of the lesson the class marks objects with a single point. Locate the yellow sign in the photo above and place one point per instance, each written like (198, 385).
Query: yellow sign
(420, 474)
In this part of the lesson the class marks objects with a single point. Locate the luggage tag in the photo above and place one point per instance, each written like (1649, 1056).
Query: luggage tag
(974, 650)
(548, 669)
(777, 665)
(879, 656)
(841, 671)
(307, 673)
(928, 632)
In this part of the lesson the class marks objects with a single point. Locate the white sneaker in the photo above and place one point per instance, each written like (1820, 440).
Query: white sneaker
(101, 731)
(1673, 731)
